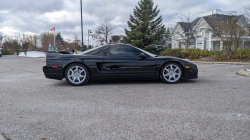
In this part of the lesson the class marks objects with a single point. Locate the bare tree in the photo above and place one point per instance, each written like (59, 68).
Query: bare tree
(187, 35)
(232, 33)
(34, 40)
(25, 46)
(6, 44)
(47, 38)
(246, 12)
(26, 41)
(12, 43)
(187, 17)
(103, 32)
(76, 41)
(69, 46)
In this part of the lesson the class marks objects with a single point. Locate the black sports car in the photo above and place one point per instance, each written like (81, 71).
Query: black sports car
(116, 61)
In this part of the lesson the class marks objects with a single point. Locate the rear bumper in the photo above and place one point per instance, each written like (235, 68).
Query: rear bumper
(53, 73)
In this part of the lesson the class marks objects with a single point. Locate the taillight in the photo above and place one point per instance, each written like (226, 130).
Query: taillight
(54, 67)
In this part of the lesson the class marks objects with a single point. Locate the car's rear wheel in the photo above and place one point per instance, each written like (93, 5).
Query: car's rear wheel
(77, 74)
(171, 73)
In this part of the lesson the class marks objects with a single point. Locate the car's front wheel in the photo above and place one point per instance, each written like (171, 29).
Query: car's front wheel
(77, 74)
(171, 73)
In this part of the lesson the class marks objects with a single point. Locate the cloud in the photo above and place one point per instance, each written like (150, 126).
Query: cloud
(32, 6)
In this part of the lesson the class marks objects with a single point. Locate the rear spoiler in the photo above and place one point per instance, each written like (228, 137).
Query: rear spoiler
(61, 52)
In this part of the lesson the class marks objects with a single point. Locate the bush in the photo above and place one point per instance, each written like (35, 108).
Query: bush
(174, 52)
(8, 52)
(192, 53)
(242, 54)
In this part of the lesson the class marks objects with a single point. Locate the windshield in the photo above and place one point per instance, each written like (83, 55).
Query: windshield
(90, 50)
(148, 53)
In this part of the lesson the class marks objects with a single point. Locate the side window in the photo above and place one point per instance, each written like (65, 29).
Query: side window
(124, 51)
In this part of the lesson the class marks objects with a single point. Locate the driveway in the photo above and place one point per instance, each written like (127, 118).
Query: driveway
(214, 106)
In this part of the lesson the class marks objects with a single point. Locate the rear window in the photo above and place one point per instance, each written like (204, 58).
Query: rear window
(93, 51)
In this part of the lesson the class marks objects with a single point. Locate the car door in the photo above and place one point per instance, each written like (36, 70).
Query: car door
(124, 59)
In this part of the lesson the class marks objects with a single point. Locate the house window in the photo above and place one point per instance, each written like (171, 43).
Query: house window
(247, 45)
(174, 45)
(178, 34)
(202, 32)
(199, 45)
(191, 43)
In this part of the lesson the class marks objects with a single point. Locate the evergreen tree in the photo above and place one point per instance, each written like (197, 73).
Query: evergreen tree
(168, 37)
(146, 27)
(59, 39)
(168, 34)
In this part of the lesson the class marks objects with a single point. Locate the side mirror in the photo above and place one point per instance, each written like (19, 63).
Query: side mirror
(142, 56)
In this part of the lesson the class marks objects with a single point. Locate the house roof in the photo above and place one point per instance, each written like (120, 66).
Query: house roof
(187, 27)
(212, 18)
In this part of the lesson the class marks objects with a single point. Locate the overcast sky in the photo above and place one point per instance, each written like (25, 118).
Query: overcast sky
(37, 16)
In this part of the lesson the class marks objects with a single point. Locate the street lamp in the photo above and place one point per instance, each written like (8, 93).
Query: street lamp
(89, 31)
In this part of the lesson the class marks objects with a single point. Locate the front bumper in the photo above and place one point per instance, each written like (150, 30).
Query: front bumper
(53, 73)
(191, 73)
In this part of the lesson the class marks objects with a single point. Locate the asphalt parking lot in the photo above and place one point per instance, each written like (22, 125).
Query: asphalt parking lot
(214, 106)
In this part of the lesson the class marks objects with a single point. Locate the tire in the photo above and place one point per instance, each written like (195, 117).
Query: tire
(77, 74)
(171, 73)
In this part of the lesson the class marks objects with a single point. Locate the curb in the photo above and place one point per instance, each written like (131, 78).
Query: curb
(244, 73)
(2, 137)
(231, 63)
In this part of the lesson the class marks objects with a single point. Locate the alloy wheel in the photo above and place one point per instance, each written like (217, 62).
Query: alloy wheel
(171, 73)
(76, 74)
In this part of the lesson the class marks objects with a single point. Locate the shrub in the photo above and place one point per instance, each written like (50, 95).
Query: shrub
(242, 53)
(173, 52)
(193, 53)
(8, 52)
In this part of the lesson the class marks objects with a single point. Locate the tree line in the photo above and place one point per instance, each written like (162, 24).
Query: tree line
(41, 42)
(20, 43)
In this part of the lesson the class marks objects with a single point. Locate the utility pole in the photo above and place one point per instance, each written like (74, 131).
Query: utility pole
(81, 22)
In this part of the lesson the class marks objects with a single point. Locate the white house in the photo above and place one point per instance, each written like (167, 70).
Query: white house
(200, 32)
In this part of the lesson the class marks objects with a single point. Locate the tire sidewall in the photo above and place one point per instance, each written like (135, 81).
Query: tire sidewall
(86, 78)
(161, 74)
